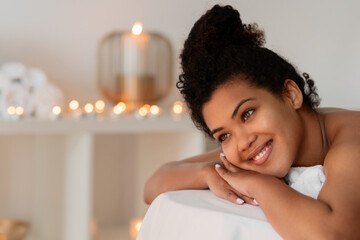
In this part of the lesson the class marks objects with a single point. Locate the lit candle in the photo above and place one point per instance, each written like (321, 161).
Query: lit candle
(178, 107)
(19, 111)
(55, 113)
(11, 111)
(177, 110)
(118, 109)
(135, 46)
(89, 110)
(143, 112)
(154, 110)
(75, 110)
(99, 106)
(135, 226)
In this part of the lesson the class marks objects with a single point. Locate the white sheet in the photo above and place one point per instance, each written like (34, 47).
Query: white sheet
(199, 214)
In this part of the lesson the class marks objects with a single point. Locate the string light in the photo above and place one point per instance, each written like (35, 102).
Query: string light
(88, 108)
(74, 105)
(99, 106)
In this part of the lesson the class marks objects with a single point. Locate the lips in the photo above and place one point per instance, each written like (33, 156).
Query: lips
(262, 153)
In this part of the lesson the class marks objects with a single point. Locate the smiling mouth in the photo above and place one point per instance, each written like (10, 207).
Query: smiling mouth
(263, 155)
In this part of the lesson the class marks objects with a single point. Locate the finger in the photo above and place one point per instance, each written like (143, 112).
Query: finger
(232, 197)
(247, 199)
(223, 172)
(250, 200)
(227, 164)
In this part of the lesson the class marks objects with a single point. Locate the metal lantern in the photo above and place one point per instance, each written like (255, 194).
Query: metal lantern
(135, 68)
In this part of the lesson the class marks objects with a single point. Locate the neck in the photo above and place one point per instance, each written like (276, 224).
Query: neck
(312, 149)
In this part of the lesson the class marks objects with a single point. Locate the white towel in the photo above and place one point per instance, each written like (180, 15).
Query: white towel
(306, 180)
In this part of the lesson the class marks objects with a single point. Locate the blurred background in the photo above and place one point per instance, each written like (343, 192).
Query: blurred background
(62, 38)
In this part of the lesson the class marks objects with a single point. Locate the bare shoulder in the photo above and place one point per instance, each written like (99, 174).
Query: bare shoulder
(342, 166)
(341, 125)
(342, 162)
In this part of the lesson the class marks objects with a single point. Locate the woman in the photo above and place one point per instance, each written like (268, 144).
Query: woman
(265, 116)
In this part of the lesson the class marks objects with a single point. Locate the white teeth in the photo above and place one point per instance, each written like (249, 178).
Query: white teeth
(261, 154)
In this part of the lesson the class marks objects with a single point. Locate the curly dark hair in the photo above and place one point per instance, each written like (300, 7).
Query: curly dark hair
(219, 48)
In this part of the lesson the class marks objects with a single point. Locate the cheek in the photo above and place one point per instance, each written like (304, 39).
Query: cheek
(230, 151)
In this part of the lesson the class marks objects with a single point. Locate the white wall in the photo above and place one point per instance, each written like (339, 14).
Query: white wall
(321, 37)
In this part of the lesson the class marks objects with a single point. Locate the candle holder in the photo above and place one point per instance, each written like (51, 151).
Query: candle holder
(134, 67)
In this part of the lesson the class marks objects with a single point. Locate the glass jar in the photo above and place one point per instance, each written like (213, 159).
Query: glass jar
(134, 68)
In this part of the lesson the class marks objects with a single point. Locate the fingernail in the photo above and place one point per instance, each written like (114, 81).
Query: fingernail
(222, 155)
(239, 201)
(217, 165)
(254, 201)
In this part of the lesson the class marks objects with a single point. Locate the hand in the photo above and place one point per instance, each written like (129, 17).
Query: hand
(236, 178)
(221, 188)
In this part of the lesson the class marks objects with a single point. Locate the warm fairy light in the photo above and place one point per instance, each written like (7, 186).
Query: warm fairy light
(178, 107)
(121, 105)
(73, 105)
(99, 106)
(19, 111)
(137, 28)
(119, 108)
(138, 226)
(147, 107)
(56, 110)
(143, 111)
(11, 110)
(154, 110)
(88, 108)
(135, 226)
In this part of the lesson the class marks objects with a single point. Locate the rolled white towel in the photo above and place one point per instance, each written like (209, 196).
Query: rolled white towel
(35, 77)
(14, 70)
(306, 180)
(5, 81)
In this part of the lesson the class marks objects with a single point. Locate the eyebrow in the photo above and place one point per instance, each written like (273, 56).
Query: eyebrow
(233, 114)
(239, 105)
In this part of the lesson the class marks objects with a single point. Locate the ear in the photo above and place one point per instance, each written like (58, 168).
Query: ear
(292, 94)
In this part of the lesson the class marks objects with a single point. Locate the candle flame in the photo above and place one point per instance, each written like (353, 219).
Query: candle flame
(137, 28)
(155, 110)
(11, 110)
(88, 108)
(56, 110)
(119, 108)
(99, 106)
(19, 111)
(73, 105)
(135, 226)
(144, 110)
(178, 107)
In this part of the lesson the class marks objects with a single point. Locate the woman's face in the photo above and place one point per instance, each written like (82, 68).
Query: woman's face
(257, 130)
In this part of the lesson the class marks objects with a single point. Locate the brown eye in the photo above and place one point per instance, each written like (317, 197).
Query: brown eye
(247, 114)
(223, 137)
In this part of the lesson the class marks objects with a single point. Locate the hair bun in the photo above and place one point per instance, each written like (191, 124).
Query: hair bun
(222, 26)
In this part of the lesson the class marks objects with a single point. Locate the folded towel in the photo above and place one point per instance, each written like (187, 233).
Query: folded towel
(306, 180)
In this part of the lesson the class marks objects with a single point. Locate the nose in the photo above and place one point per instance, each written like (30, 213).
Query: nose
(245, 139)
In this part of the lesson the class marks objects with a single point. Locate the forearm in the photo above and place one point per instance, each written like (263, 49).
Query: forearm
(293, 215)
(178, 175)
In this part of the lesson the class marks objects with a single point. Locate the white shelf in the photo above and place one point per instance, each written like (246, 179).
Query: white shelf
(60, 174)
(120, 125)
